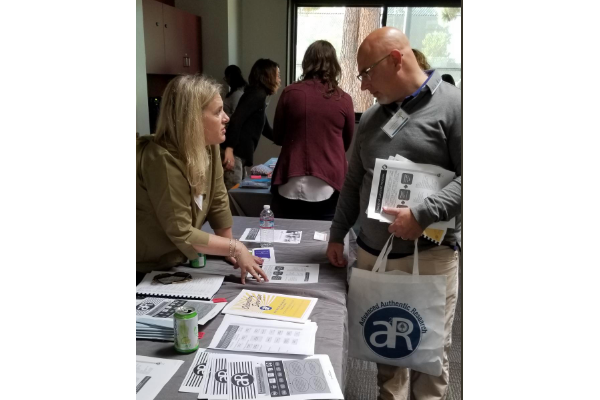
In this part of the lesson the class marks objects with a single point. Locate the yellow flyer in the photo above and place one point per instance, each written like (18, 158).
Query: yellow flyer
(271, 306)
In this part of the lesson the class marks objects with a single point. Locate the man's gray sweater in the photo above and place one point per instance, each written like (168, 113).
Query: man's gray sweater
(432, 135)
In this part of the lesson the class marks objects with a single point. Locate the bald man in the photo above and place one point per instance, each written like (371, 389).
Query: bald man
(432, 135)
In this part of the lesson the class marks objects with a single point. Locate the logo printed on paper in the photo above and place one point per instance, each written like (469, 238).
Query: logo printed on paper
(199, 369)
(393, 330)
(242, 379)
(221, 376)
(266, 308)
(145, 306)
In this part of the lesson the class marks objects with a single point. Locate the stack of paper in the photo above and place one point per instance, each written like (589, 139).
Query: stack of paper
(201, 286)
(217, 375)
(154, 316)
(264, 336)
(250, 303)
(399, 182)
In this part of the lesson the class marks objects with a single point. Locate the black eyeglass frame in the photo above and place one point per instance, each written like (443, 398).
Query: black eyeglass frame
(366, 71)
(184, 275)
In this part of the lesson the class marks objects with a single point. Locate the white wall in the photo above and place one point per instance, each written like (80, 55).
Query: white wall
(142, 120)
(264, 29)
(214, 19)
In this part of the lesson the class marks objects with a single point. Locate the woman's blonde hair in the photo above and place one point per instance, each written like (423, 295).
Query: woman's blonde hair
(180, 123)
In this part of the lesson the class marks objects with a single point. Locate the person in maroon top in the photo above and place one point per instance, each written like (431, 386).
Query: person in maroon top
(314, 124)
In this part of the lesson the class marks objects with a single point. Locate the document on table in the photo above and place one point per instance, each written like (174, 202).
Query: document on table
(201, 286)
(264, 336)
(279, 236)
(152, 374)
(154, 310)
(237, 377)
(291, 273)
(192, 383)
(250, 303)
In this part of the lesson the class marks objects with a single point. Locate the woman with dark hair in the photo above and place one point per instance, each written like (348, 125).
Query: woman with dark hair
(237, 83)
(249, 121)
(314, 124)
(421, 60)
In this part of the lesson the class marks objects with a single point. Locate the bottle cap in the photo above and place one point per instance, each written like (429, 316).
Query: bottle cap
(266, 206)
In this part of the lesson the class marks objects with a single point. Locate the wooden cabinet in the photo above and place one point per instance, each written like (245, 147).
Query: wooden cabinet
(172, 40)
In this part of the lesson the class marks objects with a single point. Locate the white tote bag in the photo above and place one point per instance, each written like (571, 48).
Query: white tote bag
(397, 318)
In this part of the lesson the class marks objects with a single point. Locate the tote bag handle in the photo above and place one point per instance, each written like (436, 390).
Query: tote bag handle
(381, 262)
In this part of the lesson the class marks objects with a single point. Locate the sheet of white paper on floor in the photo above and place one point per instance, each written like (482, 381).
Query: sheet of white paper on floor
(257, 335)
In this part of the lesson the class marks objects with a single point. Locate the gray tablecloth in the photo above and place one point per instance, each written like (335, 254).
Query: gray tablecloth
(329, 312)
(248, 202)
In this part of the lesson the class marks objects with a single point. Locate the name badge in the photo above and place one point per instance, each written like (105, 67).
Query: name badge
(398, 120)
(198, 199)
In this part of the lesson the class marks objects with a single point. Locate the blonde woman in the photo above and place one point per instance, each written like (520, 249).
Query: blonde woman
(180, 183)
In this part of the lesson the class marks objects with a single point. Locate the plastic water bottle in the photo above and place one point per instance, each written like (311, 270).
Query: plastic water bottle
(267, 227)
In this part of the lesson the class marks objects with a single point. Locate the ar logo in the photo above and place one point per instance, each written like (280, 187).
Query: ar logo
(199, 369)
(145, 306)
(266, 308)
(392, 332)
(242, 379)
(221, 376)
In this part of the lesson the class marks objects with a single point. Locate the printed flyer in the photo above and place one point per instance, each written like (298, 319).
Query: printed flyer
(250, 303)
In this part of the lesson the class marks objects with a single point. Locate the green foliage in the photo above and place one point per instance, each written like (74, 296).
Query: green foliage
(435, 44)
(448, 14)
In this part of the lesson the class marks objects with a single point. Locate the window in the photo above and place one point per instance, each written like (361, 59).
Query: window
(435, 31)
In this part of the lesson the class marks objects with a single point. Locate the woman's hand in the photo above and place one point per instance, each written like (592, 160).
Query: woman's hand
(233, 261)
(228, 160)
(250, 264)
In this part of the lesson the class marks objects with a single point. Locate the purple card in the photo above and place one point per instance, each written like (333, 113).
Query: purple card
(262, 253)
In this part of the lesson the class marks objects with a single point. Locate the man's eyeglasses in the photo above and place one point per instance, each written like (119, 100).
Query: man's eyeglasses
(365, 74)
(167, 279)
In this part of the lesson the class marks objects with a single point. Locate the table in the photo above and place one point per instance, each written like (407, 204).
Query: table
(249, 202)
(329, 313)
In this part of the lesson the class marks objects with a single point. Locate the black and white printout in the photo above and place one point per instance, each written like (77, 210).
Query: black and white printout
(399, 183)
(258, 335)
(261, 377)
(280, 236)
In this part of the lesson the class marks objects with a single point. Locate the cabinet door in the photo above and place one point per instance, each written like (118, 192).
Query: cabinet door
(154, 37)
(191, 37)
(174, 21)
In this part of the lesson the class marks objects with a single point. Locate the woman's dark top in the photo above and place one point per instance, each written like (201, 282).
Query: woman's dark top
(247, 123)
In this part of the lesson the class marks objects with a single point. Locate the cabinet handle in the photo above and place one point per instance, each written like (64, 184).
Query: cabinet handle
(157, 24)
(165, 25)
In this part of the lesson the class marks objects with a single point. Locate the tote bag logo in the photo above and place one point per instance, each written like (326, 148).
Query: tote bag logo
(392, 332)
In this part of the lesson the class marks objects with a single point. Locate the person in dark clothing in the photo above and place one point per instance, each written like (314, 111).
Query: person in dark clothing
(314, 124)
(237, 83)
(249, 121)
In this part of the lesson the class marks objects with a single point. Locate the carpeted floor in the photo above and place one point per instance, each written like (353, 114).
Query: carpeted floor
(361, 376)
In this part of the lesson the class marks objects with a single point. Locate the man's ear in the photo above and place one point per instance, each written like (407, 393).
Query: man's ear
(396, 57)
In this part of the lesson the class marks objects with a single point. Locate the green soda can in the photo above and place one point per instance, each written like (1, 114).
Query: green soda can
(185, 323)
(199, 262)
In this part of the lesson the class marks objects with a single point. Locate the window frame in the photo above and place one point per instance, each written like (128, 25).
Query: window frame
(293, 21)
